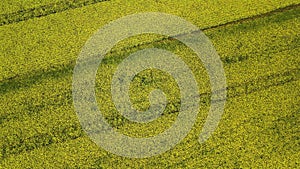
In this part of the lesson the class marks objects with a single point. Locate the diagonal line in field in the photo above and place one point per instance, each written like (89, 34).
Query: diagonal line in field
(250, 18)
(45, 10)
(25, 81)
(161, 40)
(266, 82)
(235, 22)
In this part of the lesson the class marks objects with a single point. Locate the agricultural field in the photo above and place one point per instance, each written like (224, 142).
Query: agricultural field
(258, 43)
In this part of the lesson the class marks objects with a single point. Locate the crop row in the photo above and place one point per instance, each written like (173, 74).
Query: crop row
(40, 11)
(56, 40)
(230, 52)
(282, 44)
(10, 7)
(285, 60)
(15, 143)
(230, 132)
